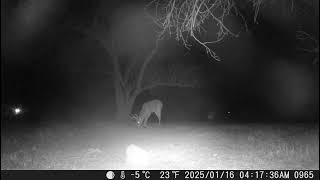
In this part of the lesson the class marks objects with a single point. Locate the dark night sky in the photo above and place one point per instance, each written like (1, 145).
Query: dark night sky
(45, 62)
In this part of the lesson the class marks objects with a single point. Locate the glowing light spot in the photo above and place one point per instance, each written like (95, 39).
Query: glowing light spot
(17, 111)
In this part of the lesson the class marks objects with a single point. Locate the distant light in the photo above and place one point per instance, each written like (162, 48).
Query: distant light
(17, 111)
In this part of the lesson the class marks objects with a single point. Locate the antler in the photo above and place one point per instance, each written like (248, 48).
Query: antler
(134, 117)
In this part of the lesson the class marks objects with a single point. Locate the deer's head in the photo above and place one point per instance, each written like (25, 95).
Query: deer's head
(136, 118)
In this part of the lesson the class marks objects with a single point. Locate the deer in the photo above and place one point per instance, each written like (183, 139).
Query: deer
(149, 107)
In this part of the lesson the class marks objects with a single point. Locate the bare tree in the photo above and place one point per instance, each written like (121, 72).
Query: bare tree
(311, 43)
(187, 19)
(131, 55)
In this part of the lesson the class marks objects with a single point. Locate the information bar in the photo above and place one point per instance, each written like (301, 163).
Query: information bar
(160, 174)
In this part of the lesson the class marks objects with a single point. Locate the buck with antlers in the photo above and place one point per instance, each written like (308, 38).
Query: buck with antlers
(153, 106)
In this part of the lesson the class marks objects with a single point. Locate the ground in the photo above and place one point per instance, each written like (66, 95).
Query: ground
(103, 146)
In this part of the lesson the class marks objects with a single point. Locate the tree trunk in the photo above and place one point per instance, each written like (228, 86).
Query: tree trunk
(123, 107)
(123, 103)
(123, 111)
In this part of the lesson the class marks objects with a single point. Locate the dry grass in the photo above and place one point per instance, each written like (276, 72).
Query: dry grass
(196, 146)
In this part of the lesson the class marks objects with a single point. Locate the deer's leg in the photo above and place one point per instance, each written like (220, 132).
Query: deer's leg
(158, 114)
(145, 120)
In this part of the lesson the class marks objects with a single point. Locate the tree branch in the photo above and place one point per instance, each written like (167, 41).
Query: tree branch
(129, 69)
(144, 65)
(168, 84)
